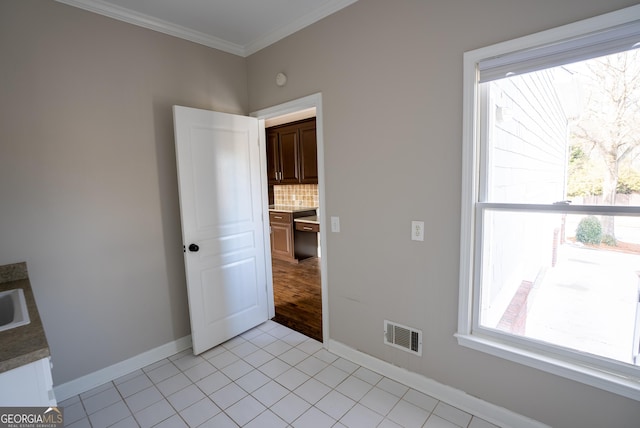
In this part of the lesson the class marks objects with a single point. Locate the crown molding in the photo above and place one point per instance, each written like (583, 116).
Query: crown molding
(151, 23)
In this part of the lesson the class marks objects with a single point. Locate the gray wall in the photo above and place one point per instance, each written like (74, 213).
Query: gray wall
(88, 178)
(391, 77)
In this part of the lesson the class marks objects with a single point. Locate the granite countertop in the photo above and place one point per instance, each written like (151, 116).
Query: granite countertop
(25, 344)
(313, 219)
(290, 208)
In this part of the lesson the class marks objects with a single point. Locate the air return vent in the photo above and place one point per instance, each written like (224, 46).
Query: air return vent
(400, 336)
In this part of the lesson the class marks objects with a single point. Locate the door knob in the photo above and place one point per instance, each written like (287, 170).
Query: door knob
(193, 248)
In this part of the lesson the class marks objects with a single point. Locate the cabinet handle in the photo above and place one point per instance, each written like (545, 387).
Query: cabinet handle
(307, 228)
(278, 217)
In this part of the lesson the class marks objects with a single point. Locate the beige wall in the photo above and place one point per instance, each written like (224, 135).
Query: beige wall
(390, 73)
(88, 178)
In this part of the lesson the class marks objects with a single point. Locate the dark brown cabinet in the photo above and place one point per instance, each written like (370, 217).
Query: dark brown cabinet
(292, 153)
(283, 239)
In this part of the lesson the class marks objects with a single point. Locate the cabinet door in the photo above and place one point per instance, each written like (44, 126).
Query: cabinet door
(281, 241)
(288, 139)
(273, 157)
(308, 153)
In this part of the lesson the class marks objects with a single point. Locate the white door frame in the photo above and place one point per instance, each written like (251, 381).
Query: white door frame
(310, 101)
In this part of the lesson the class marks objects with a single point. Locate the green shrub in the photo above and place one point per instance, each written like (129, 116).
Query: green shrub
(589, 230)
(609, 240)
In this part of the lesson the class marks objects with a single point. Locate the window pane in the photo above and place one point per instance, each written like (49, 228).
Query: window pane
(549, 277)
(565, 133)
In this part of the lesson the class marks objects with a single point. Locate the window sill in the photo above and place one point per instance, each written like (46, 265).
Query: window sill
(612, 382)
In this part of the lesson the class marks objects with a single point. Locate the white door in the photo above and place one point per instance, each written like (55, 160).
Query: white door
(218, 159)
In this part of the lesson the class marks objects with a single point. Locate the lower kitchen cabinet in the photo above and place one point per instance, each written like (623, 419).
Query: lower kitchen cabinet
(282, 234)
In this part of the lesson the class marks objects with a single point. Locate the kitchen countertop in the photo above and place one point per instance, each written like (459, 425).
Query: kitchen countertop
(313, 219)
(290, 208)
(25, 344)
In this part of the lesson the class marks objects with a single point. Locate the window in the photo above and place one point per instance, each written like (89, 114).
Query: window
(550, 243)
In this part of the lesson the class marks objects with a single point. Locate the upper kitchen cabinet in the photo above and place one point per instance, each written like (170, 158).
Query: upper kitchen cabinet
(292, 153)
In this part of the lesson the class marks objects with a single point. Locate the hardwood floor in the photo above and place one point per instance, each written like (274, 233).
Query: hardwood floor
(297, 295)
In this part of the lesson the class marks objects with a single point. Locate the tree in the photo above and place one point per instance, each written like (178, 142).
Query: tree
(609, 122)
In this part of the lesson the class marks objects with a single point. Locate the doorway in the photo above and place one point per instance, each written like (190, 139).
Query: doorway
(291, 281)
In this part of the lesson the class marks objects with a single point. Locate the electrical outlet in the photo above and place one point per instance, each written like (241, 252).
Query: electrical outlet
(417, 230)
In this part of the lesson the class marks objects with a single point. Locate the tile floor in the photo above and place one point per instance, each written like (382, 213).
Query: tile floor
(270, 376)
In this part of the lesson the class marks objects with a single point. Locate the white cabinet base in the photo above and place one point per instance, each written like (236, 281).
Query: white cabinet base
(28, 385)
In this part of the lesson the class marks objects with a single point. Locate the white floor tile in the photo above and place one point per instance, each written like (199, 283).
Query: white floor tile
(325, 356)
(421, 400)
(223, 359)
(266, 419)
(452, 414)
(174, 421)
(379, 401)
(270, 393)
(245, 410)
(292, 378)
(258, 358)
(243, 383)
(82, 423)
(408, 415)
(367, 375)
(331, 376)
(253, 380)
(295, 338)
(274, 368)
(129, 422)
(278, 347)
(311, 346)
(133, 385)
(354, 388)
(392, 387)
(219, 421)
(263, 340)
(236, 370)
(233, 343)
(109, 415)
(311, 366)
(173, 384)
(477, 423)
(335, 404)
(293, 356)
(213, 382)
(290, 407)
(185, 397)
(361, 417)
(101, 400)
(345, 365)
(200, 371)
(437, 422)
(314, 418)
(73, 412)
(142, 399)
(244, 349)
(312, 390)
(199, 412)
(154, 414)
(165, 371)
(228, 395)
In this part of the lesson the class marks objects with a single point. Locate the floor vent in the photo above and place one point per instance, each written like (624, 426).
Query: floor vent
(406, 338)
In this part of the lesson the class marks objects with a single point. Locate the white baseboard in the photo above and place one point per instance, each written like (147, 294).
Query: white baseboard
(455, 397)
(107, 374)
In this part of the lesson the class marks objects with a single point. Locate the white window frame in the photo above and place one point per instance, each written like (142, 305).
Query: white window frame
(600, 373)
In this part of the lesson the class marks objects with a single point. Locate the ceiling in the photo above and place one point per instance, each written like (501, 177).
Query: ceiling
(240, 27)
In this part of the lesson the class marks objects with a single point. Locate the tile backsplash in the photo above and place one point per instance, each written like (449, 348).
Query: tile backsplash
(305, 195)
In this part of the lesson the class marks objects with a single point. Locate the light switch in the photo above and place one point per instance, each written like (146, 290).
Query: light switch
(417, 230)
(335, 224)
